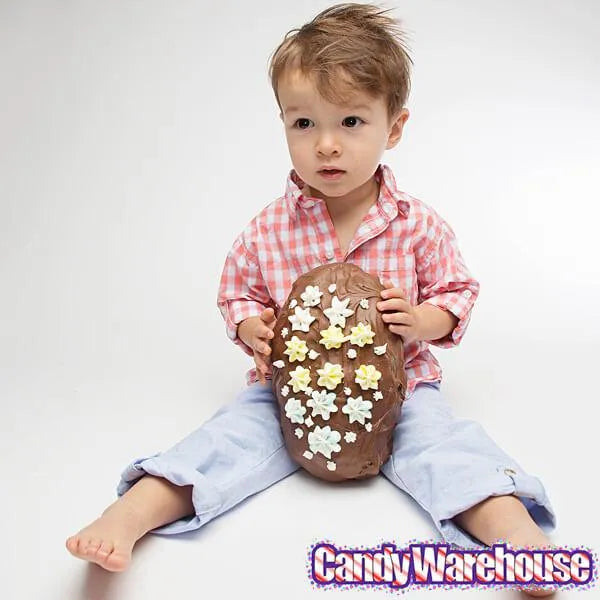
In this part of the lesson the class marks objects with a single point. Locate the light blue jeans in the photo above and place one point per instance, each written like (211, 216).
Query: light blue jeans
(445, 463)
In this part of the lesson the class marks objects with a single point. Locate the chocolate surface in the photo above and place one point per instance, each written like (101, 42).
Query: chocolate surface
(348, 458)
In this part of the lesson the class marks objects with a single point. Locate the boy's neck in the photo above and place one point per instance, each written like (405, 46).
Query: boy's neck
(355, 204)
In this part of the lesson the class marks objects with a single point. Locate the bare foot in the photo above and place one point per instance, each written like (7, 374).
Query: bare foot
(530, 536)
(109, 540)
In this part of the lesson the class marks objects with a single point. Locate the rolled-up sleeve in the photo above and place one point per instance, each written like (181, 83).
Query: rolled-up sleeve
(444, 279)
(242, 291)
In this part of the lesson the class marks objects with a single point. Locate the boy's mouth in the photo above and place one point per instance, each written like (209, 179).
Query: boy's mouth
(330, 170)
(331, 174)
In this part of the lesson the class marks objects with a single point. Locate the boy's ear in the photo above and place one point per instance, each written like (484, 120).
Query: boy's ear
(396, 128)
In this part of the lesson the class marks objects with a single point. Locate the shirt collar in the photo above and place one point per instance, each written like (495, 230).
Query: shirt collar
(390, 200)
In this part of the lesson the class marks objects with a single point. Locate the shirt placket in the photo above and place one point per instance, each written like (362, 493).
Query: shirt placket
(329, 248)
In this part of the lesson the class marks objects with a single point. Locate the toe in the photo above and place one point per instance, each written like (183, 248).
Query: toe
(105, 549)
(92, 546)
(117, 560)
(71, 544)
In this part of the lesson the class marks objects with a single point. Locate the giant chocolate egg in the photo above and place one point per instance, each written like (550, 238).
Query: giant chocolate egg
(338, 373)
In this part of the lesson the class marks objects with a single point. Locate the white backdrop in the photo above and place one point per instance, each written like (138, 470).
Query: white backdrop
(137, 139)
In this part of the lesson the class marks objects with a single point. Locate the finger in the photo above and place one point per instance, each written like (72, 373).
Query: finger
(398, 318)
(266, 333)
(262, 362)
(267, 315)
(393, 292)
(262, 375)
(401, 330)
(395, 304)
(262, 347)
(259, 371)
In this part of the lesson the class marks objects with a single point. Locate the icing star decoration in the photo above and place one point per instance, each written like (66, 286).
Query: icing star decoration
(296, 349)
(294, 410)
(338, 311)
(361, 334)
(311, 295)
(357, 409)
(322, 403)
(330, 376)
(301, 319)
(332, 337)
(367, 376)
(299, 379)
(324, 440)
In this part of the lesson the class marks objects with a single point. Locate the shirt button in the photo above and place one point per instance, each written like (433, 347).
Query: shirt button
(329, 255)
(467, 293)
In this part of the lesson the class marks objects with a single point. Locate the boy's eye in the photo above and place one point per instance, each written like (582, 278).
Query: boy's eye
(352, 119)
(302, 123)
(302, 120)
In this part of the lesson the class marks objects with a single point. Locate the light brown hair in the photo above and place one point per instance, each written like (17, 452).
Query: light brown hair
(345, 48)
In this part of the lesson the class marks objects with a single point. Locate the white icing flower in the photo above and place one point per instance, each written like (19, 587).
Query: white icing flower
(350, 437)
(296, 349)
(367, 376)
(312, 354)
(380, 349)
(322, 403)
(331, 465)
(279, 364)
(330, 376)
(284, 332)
(308, 422)
(361, 334)
(332, 337)
(301, 319)
(369, 426)
(338, 311)
(332, 288)
(299, 379)
(308, 391)
(357, 409)
(377, 395)
(308, 454)
(324, 440)
(285, 390)
(299, 433)
(293, 303)
(351, 353)
(311, 295)
(347, 391)
(364, 303)
(294, 410)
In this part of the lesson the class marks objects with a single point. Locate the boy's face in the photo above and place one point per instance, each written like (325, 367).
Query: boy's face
(351, 137)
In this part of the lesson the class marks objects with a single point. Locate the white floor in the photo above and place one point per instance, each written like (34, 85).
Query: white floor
(121, 122)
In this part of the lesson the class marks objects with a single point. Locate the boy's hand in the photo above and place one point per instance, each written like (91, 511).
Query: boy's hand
(257, 332)
(406, 321)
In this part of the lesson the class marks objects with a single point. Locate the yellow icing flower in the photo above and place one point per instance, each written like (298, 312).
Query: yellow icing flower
(333, 337)
(367, 376)
(330, 375)
(296, 349)
(299, 379)
(361, 334)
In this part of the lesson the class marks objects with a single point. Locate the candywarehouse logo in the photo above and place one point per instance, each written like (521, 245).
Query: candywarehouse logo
(424, 564)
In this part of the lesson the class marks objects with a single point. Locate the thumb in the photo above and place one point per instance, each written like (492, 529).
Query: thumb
(267, 314)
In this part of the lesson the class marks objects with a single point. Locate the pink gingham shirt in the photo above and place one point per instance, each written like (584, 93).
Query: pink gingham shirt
(400, 238)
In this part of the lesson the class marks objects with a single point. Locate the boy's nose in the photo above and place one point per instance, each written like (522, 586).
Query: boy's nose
(328, 145)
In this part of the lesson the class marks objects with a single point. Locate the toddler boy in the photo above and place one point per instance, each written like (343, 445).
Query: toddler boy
(341, 83)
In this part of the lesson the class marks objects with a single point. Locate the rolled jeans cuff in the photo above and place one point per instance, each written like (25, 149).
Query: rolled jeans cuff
(507, 480)
(206, 498)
